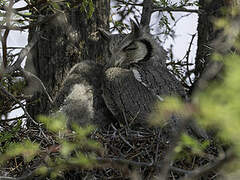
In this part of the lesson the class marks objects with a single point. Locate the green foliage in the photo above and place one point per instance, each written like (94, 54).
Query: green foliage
(189, 142)
(165, 109)
(220, 105)
(27, 149)
(6, 137)
(55, 123)
(87, 6)
(73, 150)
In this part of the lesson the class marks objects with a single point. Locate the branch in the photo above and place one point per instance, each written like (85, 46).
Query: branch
(3, 8)
(187, 58)
(130, 3)
(177, 9)
(5, 35)
(12, 119)
(23, 53)
(146, 13)
(14, 28)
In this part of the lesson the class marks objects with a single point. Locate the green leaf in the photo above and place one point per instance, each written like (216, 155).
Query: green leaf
(55, 123)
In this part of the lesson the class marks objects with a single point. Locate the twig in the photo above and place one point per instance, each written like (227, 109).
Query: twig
(223, 160)
(24, 52)
(3, 8)
(14, 28)
(130, 3)
(17, 101)
(177, 9)
(187, 58)
(13, 47)
(125, 141)
(13, 119)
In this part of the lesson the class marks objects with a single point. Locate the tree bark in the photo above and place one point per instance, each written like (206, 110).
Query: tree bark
(210, 40)
(206, 31)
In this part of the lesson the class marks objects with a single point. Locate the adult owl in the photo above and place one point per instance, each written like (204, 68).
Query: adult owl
(136, 76)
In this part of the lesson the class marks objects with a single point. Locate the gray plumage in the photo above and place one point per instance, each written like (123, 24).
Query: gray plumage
(136, 76)
(80, 95)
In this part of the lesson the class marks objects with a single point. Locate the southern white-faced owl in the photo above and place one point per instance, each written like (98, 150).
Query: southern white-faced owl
(136, 76)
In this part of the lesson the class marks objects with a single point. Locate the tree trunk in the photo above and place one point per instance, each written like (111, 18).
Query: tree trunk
(211, 40)
(206, 31)
(67, 39)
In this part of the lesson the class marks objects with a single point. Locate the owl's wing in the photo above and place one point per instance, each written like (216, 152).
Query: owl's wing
(159, 81)
(125, 96)
(162, 83)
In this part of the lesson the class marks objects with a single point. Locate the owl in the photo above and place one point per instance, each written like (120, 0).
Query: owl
(136, 76)
(79, 97)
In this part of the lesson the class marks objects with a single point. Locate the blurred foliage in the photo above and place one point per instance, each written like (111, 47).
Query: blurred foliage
(55, 123)
(73, 149)
(219, 106)
(26, 148)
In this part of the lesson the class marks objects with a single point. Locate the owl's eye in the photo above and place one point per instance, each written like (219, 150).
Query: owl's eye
(130, 47)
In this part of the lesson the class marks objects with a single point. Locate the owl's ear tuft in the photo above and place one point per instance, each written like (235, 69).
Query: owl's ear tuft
(135, 29)
(105, 34)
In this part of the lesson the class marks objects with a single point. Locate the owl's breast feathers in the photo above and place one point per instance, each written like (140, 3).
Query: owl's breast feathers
(125, 96)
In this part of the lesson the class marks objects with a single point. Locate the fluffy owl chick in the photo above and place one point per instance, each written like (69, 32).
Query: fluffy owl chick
(80, 95)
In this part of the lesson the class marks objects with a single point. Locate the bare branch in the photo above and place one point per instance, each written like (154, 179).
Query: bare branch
(14, 28)
(187, 57)
(5, 35)
(177, 9)
(3, 8)
(24, 52)
(13, 119)
(130, 3)
(146, 12)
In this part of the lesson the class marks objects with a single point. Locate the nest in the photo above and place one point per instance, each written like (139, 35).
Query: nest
(129, 153)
